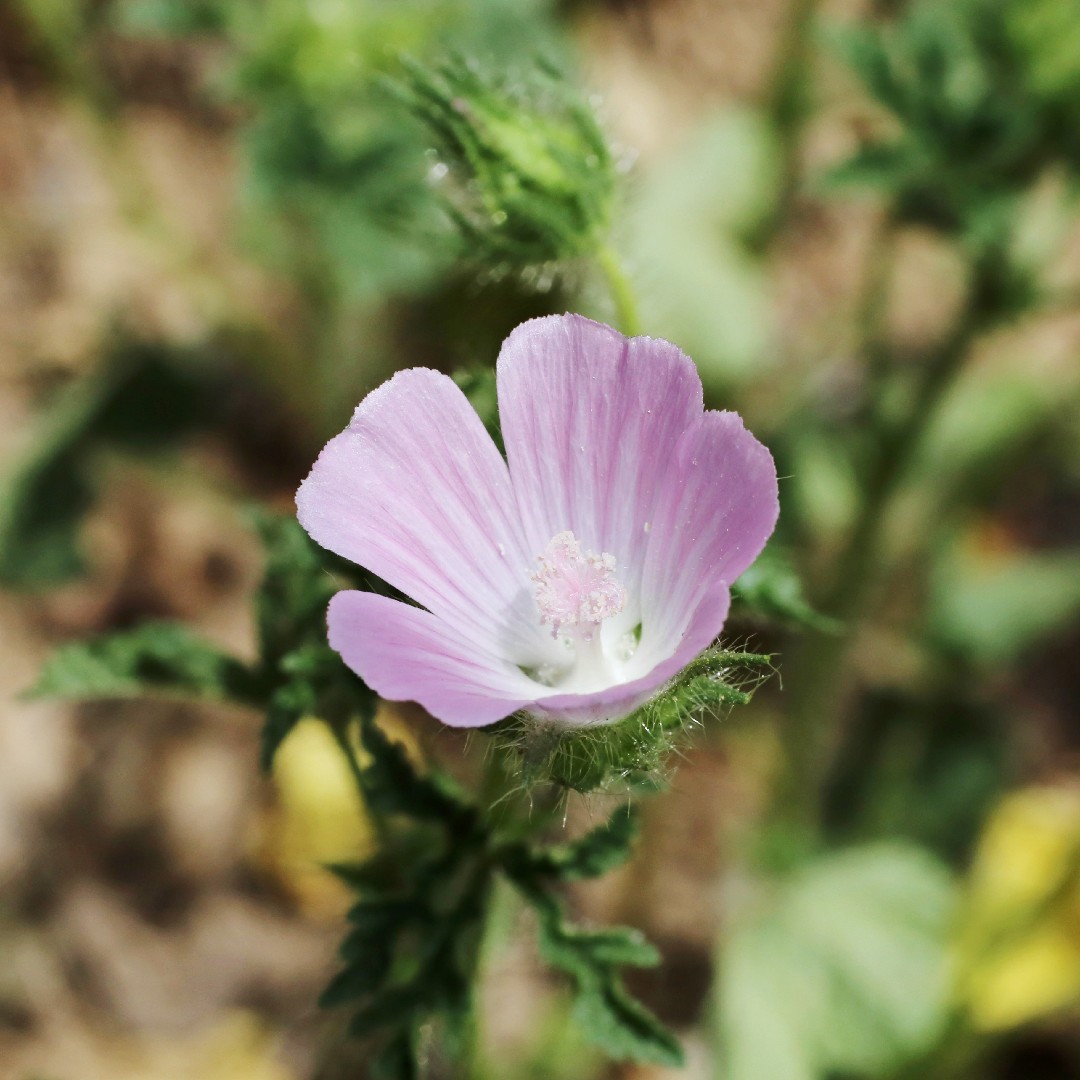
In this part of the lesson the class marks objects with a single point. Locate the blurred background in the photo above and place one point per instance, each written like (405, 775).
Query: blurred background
(218, 230)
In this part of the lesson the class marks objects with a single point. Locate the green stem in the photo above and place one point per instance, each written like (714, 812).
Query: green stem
(622, 292)
(785, 106)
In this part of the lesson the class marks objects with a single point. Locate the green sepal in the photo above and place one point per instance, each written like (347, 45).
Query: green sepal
(631, 753)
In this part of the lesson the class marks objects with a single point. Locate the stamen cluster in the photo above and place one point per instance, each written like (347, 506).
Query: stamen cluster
(576, 588)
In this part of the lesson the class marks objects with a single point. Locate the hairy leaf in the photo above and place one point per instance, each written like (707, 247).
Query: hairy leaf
(393, 786)
(624, 1029)
(296, 587)
(609, 1017)
(594, 854)
(155, 658)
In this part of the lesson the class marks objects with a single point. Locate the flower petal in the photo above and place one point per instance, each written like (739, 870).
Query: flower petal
(407, 654)
(718, 506)
(703, 627)
(590, 420)
(415, 491)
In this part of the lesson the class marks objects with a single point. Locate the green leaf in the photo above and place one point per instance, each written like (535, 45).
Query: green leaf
(994, 608)
(864, 49)
(389, 1009)
(168, 17)
(288, 705)
(878, 167)
(846, 971)
(609, 1017)
(144, 399)
(581, 952)
(594, 854)
(155, 658)
(771, 588)
(363, 976)
(296, 587)
(40, 510)
(690, 216)
(397, 1060)
(393, 786)
(624, 1029)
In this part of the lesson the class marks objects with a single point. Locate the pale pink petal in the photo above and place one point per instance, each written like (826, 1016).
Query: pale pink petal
(407, 654)
(702, 627)
(415, 491)
(717, 507)
(590, 420)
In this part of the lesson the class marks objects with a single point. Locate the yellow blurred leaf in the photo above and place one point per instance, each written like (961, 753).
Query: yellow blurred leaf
(1018, 944)
(1037, 975)
(319, 818)
(237, 1048)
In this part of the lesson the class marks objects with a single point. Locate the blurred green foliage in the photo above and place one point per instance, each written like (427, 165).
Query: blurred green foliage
(978, 119)
(143, 402)
(842, 971)
(690, 221)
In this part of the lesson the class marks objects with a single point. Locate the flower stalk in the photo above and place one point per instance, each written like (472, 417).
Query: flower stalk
(622, 292)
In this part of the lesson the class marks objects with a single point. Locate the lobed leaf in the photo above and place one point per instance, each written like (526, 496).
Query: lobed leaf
(296, 587)
(609, 1017)
(592, 855)
(145, 399)
(154, 658)
(393, 786)
(624, 1029)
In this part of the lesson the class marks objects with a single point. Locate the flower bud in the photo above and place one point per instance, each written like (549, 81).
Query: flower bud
(531, 179)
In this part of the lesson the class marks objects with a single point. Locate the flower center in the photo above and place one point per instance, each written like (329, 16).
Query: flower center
(576, 589)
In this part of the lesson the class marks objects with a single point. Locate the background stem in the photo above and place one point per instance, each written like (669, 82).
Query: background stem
(622, 292)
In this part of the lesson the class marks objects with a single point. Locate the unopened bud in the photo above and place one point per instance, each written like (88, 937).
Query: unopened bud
(531, 177)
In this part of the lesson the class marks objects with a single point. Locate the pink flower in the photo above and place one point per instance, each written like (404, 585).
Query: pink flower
(573, 579)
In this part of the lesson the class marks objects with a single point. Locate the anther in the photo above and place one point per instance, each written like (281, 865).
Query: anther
(576, 588)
